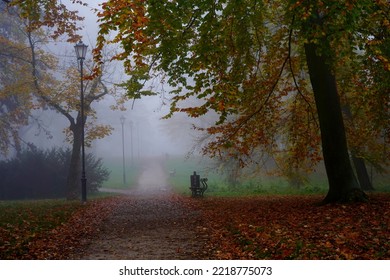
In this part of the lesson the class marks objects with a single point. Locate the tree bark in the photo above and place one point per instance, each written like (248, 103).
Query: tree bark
(358, 162)
(343, 185)
(362, 173)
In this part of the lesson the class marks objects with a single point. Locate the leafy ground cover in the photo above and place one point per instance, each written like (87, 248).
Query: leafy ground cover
(257, 227)
(293, 227)
(47, 229)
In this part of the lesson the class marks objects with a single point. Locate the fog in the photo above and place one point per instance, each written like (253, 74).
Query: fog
(143, 125)
(145, 133)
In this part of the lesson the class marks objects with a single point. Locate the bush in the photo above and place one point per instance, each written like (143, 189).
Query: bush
(36, 173)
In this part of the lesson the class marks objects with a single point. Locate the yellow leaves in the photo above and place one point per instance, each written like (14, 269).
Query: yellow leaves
(386, 23)
(50, 13)
(128, 21)
(221, 105)
(384, 60)
(97, 131)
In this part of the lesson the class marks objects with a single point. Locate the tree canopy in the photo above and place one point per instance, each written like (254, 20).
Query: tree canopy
(248, 61)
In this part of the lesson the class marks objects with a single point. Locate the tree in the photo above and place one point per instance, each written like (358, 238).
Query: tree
(242, 59)
(64, 97)
(14, 102)
(342, 181)
(44, 85)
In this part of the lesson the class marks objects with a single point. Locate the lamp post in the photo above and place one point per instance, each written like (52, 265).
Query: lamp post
(138, 144)
(81, 51)
(131, 142)
(123, 150)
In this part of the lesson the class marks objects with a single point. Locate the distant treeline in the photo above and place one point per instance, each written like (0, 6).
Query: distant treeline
(36, 173)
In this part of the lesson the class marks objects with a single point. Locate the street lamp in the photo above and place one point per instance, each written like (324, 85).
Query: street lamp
(123, 149)
(81, 51)
(131, 142)
(138, 143)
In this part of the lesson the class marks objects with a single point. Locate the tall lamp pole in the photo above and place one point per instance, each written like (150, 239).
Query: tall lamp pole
(81, 51)
(131, 142)
(123, 150)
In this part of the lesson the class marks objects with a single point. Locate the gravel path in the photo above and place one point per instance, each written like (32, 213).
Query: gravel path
(148, 223)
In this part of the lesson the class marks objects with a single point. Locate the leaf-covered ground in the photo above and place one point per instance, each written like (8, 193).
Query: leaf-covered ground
(293, 227)
(263, 227)
(48, 229)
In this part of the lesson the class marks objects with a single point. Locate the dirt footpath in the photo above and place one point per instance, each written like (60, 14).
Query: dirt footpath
(148, 223)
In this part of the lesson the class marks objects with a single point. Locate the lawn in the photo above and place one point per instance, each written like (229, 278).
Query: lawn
(250, 182)
(247, 184)
(115, 180)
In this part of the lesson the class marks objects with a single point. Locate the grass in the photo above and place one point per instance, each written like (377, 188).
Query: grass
(114, 165)
(218, 185)
(217, 182)
(248, 185)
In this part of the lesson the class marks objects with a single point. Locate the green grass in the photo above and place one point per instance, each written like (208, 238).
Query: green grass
(114, 165)
(248, 184)
(185, 168)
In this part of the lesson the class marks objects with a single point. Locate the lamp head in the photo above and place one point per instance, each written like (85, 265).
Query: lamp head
(81, 50)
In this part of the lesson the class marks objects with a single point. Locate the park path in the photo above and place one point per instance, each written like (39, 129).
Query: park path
(149, 222)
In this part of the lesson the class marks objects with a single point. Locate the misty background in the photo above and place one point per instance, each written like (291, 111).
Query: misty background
(145, 134)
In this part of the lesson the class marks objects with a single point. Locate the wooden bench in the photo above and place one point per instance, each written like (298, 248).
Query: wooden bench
(198, 185)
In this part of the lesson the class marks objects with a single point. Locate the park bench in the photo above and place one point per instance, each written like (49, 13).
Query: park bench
(198, 185)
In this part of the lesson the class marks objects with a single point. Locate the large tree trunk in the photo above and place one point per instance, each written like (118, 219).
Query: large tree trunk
(73, 184)
(343, 185)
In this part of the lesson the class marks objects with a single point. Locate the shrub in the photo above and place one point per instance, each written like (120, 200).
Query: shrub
(37, 173)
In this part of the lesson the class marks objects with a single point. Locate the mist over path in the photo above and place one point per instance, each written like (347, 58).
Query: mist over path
(148, 222)
(153, 180)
